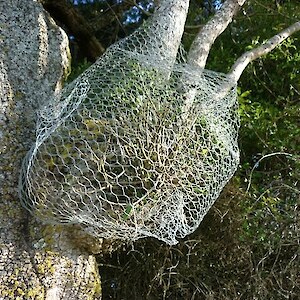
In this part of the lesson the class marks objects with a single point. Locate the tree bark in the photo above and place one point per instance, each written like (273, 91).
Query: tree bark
(168, 23)
(36, 261)
(204, 40)
(160, 39)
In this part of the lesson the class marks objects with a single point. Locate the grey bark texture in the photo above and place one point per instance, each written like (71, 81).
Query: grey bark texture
(206, 37)
(36, 261)
(168, 23)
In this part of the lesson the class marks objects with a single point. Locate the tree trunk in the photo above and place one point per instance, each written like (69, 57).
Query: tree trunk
(160, 38)
(36, 261)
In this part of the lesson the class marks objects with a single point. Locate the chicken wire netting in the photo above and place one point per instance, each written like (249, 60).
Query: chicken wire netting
(135, 147)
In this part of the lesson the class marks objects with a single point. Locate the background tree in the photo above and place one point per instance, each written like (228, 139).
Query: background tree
(49, 254)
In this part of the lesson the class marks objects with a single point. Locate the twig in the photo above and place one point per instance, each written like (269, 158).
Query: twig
(258, 162)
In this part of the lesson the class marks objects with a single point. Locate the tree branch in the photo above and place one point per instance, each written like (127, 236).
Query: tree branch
(66, 14)
(240, 65)
(211, 30)
(159, 38)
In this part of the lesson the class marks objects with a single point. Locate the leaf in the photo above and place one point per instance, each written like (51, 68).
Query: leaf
(245, 94)
(127, 212)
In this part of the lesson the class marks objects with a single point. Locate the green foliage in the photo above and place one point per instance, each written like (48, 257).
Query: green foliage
(269, 109)
(78, 68)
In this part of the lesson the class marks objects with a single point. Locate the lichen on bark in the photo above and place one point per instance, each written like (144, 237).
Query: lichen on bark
(35, 263)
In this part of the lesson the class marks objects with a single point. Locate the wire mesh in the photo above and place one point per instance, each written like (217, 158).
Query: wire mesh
(134, 147)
